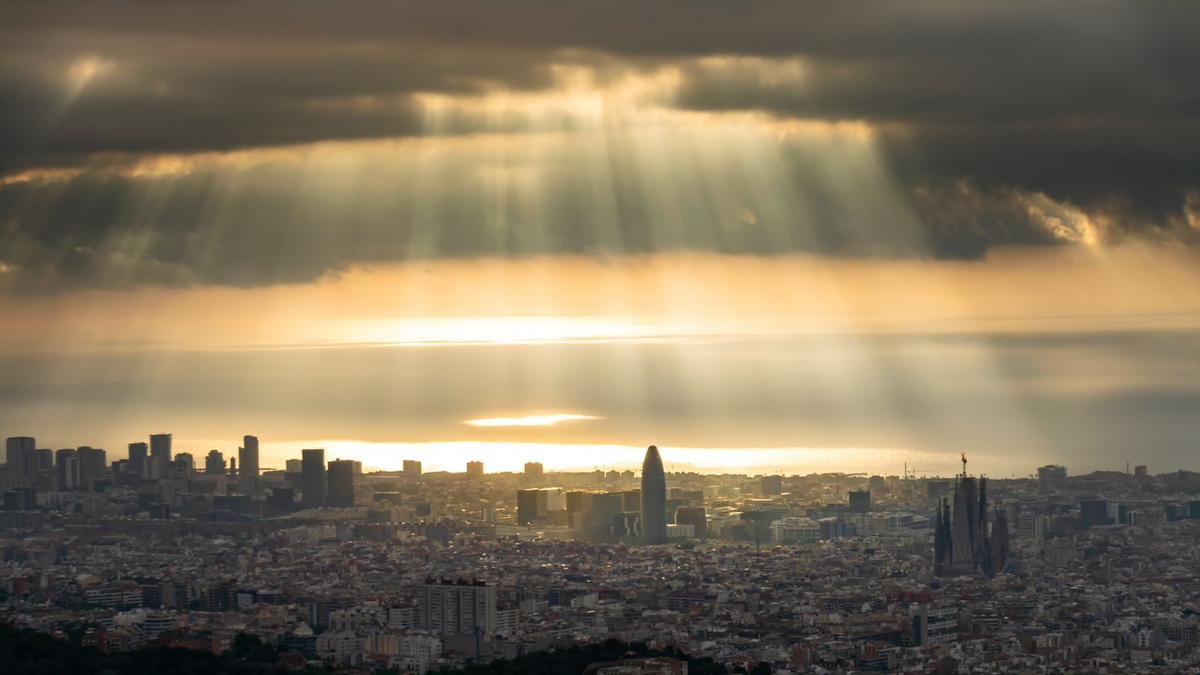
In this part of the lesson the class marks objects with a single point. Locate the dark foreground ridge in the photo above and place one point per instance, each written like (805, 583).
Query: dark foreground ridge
(28, 652)
(577, 660)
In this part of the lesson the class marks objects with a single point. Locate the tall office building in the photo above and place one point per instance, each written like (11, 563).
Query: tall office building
(1052, 478)
(412, 468)
(539, 504)
(15, 449)
(139, 465)
(214, 464)
(631, 501)
(92, 465)
(475, 469)
(340, 483)
(696, 516)
(187, 460)
(654, 498)
(45, 459)
(66, 470)
(22, 459)
(160, 455)
(248, 461)
(1093, 512)
(461, 607)
(860, 501)
(531, 506)
(771, 486)
(534, 471)
(603, 513)
(936, 491)
(312, 479)
(877, 485)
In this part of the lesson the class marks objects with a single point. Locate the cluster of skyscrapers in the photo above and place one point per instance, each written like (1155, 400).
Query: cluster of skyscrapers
(640, 515)
(31, 470)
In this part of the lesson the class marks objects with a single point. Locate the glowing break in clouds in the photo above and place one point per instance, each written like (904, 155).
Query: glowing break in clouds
(529, 420)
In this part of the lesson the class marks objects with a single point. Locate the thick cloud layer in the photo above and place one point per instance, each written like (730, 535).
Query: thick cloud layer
(971, 126)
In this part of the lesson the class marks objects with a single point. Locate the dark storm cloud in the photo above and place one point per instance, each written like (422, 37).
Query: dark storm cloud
(1095, 105)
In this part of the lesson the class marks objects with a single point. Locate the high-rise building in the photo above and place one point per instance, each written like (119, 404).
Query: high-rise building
(92, 466)
(937, 490)
(248, 461)
(1052, 478)
(294, 466)
(187, 460)
(531, 506)
(1031, 525)
(139, 464)
(654, 498)
(15, 448)
(631, 501)
(340, 483)
(534, 472)
(214, 464)
(461, 607)
(22, 459)
(877, 485)
(1093, 512)
(66, 470)
(412, 468)
(160, 455)
(1140, 471)
(45, 459)
(771, 486)
(537, 504)
(313, 477)
(475, 469)
(604, 512)
(696, 516)
(860, 501)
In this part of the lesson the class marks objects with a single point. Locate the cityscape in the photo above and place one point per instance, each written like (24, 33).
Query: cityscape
(599, 337)
(332, 566)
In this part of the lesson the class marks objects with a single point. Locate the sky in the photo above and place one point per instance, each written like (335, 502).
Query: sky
(766, 236)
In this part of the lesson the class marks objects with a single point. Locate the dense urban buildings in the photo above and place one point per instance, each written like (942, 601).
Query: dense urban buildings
(334, 566)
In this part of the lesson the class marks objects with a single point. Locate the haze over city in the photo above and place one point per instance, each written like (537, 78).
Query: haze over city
(473, 288)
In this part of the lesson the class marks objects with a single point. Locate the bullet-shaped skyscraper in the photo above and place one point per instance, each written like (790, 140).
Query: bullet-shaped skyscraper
(654, 498)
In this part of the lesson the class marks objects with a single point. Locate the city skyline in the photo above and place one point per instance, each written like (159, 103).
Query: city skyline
(472, 458)
(599, 337)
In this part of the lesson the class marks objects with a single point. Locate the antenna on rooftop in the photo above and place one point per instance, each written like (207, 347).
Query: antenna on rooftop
(964, 461)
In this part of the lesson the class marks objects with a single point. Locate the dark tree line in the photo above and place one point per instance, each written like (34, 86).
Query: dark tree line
(28, 652)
